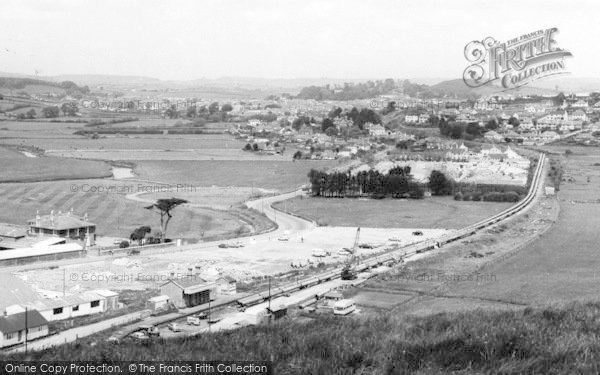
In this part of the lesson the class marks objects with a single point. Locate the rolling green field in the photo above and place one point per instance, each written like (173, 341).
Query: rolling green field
(563, 265)
(111, 211)
(18, 167)
(433, 212)
(148, 142)
(280, 175)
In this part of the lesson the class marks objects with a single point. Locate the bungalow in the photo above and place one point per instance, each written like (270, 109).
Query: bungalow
(68, 307)
(188, 292)
(15, 328)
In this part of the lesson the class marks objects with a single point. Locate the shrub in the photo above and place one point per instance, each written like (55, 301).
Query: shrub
(509, 196)
(458, 196)
(124, 244)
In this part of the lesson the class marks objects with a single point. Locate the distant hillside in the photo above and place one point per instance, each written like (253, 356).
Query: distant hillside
(457, 88)
(106, 79)
(21, 84)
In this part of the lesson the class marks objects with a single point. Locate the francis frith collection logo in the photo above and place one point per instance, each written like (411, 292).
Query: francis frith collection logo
(516, 62)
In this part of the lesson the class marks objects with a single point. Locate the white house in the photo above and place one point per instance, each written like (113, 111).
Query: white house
(13, 327)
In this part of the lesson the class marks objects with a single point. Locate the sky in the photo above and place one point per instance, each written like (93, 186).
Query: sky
(183, 40)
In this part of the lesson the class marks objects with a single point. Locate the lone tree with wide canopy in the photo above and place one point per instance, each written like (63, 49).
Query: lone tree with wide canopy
(164, 208)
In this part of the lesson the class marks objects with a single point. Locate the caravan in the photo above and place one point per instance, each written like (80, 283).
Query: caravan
(344, 307)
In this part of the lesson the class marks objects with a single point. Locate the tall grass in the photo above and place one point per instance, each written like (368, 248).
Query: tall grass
(529, 341)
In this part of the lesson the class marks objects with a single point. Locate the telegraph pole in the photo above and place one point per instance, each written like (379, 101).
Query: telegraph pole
(25, 329)
(270, 299)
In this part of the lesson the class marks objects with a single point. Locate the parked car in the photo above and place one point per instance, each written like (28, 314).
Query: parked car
(174, 327)
(193, 321)
(202, 315)
(150, 330)
(223, 245)
(417, 233)
(139, 336)
(284, 238)
(113, 340)
(365, 246)
(394, 239)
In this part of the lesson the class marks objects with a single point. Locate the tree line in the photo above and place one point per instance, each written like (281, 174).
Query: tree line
(397, 183)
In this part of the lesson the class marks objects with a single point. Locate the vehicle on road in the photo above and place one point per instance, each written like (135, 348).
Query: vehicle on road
(285, 237)
(193, 320)
(319, 253)
(366, 246)
(417, 233)
(214, 319)
(344, 307)
(150, 330)
(201, 315)
(223, 245)
(139, 336)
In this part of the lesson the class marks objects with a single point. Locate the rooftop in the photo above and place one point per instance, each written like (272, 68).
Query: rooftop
(12, 231)
(60, 221)
(16, 322)
(15, 291)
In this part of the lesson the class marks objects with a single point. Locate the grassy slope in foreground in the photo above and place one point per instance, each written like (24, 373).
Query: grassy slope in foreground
(542, 341)
(17, 167)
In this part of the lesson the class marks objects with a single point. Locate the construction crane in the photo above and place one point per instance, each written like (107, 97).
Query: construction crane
(349, 271)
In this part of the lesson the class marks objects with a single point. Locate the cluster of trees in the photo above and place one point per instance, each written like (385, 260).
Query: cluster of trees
(439, 184)
(51, 112)
(372, 89)
(508, 196)
(31, 114)
(397, 183)
(251, 147)
(71, 88)
(348, 91)
(143, 233)
(358, 119)
(69, 109)
(214, 112)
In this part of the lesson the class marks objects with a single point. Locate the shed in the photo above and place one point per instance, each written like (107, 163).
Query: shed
(278, 309)
(188, 292)
(111, 299)
(158, 302)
